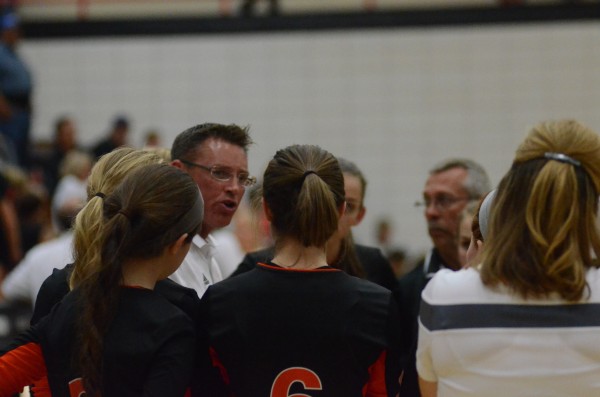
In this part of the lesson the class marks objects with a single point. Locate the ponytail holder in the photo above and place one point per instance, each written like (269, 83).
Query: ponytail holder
(307, 173)
(563, 158)
(101, 195)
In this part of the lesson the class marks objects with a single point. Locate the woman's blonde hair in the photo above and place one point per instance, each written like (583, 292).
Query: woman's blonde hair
(106, 174)
(543, 218)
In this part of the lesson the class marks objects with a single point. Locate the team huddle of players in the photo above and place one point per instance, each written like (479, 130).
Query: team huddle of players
(142, 310)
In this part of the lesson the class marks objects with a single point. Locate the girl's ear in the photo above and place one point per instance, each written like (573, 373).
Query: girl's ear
(178, 244)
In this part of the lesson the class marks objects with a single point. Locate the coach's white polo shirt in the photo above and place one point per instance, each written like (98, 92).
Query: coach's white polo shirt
(199, 268)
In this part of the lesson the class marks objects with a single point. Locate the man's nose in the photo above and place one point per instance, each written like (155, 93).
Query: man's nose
(234, 184)
(431, 210)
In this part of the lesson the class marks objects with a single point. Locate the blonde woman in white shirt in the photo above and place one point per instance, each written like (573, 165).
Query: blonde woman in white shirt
(525, 322)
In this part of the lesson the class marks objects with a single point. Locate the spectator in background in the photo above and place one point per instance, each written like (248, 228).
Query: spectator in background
(71, 192)
(450, 186)
(32, 204)
(117, 137)
(10, 235)
(152, 139)
(383, 235)
(252, 227)
(50, 159)
(397, 258)
(24, 281)
(248, 7)
(15, 92)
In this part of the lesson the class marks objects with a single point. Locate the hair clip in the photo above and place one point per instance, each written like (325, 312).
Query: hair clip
(563, 158)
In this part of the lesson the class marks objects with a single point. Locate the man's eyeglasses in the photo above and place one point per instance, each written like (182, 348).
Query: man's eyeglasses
(223, 174)
(440, 203)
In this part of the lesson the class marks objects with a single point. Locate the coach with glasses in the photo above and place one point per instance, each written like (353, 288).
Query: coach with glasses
(450, 186)
(215, 156)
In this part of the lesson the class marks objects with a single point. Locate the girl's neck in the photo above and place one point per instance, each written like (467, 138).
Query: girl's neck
(141, 273)
(292, 254)
(334, 246)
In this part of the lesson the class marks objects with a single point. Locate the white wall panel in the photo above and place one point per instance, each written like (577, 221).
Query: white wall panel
(396, 101)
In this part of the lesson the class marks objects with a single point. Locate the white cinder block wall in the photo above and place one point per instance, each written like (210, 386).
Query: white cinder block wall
(395, 101)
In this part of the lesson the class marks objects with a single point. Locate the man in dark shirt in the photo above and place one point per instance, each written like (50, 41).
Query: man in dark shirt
(117, 137)
(450, 186)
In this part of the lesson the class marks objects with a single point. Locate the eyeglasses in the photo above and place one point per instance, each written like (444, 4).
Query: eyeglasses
(440, 203)
(223, 174)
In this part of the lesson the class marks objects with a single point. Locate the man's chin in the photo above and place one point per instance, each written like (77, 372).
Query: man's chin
(439, 236)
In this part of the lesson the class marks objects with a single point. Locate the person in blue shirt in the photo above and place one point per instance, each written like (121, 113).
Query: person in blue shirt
(15, 92)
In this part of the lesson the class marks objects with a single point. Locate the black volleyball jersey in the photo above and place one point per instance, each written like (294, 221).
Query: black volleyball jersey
(56, 286)
(148, 350)
(276, 332)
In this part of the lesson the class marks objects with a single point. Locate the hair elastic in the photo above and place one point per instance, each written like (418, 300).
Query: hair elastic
(125, 214)
(563, 158)
(307, 173)
(101, 195)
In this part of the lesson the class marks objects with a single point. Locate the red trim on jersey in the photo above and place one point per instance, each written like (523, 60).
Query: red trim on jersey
(21, 367)
(375, 386)
(41, 388)
(216, 362)
(287, 269)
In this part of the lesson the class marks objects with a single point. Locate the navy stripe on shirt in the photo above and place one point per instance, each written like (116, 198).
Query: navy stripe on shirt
(447, 317)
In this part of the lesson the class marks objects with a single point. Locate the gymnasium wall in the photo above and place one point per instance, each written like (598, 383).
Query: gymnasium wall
(394, 100)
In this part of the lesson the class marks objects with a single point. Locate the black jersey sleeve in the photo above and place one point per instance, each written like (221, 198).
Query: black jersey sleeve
(53, 289)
